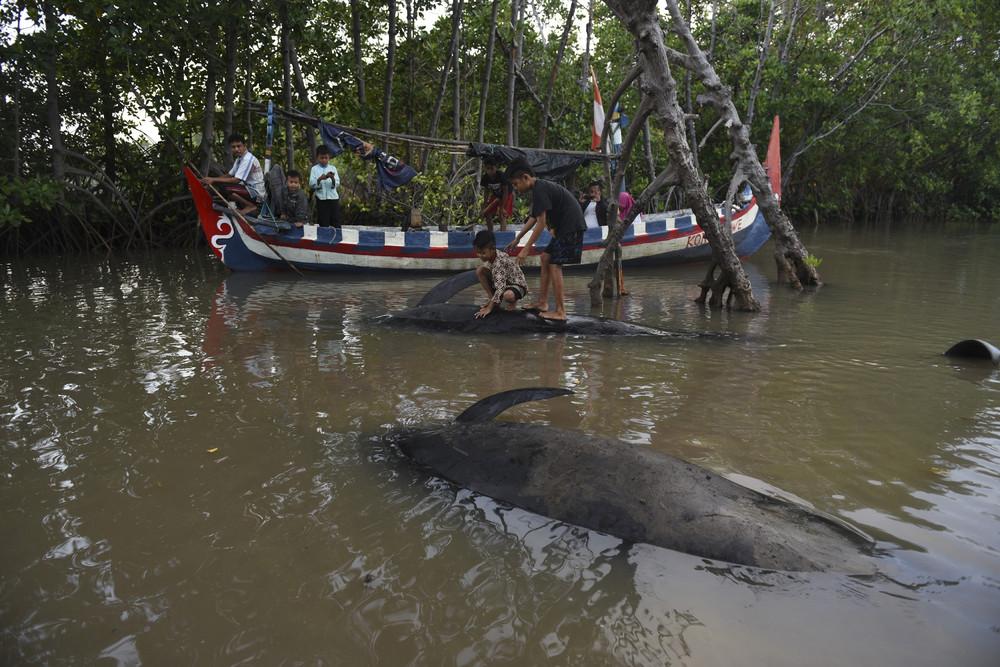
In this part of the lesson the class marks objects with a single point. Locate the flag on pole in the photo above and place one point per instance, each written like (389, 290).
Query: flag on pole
(270, 136)
(772, 164)
(595, 142)
(618, 121)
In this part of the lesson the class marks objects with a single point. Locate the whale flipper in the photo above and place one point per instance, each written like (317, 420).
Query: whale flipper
(489, 407)
(449, 287)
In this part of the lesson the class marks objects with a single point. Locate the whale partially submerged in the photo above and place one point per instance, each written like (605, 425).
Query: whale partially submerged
(633, 493)
(460, 318)
(974, 348)
(434, 313)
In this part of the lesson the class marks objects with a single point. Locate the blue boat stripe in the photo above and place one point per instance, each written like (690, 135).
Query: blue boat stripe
(368, 239)
(656, 227)
(418, 240)
(504, 239)
(459, 240)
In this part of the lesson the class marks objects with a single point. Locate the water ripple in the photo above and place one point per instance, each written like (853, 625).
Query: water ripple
(197, 468)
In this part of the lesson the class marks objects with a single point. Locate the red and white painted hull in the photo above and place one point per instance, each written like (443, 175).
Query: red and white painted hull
(656, 239)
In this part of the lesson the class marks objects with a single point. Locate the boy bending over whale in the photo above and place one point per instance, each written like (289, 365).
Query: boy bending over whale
(501, 277)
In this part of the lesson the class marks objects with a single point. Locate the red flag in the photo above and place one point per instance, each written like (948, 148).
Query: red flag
(595, 142)
(773, 162)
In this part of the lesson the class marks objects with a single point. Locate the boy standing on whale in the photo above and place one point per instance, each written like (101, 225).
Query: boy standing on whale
(501, 277)
(555, 207)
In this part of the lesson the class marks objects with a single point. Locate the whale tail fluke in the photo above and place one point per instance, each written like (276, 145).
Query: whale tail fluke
(449, 287)
(974, 349)
(489, 407)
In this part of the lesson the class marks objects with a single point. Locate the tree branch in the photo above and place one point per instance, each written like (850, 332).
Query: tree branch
(524, 81)
(764, 47)
(853, 59)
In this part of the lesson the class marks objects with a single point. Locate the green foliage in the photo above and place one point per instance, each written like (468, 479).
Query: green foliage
(889, 100)
(887, 106)
(813, 261)
(24, 200)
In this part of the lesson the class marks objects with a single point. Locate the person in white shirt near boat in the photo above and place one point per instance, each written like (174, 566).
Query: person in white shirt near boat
(324, 181)
(244, 185)
(595, 209)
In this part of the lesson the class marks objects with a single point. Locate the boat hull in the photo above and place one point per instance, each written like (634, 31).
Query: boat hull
(657, 239)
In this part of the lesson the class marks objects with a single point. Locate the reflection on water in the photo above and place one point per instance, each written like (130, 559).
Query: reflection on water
(195, 471)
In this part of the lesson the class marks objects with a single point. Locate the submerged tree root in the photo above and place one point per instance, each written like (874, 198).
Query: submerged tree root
(793, 269)
(722, 289)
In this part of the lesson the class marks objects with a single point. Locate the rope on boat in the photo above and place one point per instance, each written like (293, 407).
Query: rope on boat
(450, 146)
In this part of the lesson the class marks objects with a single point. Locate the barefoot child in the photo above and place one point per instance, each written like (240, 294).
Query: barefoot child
(501, 277)
(555, 207)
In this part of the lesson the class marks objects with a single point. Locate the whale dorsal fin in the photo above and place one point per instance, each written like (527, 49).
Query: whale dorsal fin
(449, 287)
(489, 407)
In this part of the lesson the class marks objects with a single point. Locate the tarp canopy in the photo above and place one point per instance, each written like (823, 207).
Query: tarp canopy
(547, 164)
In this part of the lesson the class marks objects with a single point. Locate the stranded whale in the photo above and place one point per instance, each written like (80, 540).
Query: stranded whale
(433, 312)
(633, 493)
(974, 348)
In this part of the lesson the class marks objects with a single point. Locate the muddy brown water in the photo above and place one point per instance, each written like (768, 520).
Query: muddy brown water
(195, 468)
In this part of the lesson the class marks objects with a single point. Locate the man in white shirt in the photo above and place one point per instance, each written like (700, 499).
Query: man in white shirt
(324, 181)
(245, 182)
(595, 209)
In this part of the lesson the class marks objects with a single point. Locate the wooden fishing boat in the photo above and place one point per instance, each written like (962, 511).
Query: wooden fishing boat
(242, 245)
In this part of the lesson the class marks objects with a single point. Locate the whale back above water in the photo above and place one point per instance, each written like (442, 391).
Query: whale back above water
(460, 318)
(974, 348)
(434, 313)
(632, 492)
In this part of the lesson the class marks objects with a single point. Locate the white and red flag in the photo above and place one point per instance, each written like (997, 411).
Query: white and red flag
(598, 128)
(772, 163)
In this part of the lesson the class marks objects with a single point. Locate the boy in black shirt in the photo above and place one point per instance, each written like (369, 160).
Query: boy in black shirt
(552, 206)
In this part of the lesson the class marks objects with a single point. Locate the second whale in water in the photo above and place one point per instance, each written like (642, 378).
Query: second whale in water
(634, 493)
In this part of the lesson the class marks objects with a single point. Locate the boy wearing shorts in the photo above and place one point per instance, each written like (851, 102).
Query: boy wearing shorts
(555, 207)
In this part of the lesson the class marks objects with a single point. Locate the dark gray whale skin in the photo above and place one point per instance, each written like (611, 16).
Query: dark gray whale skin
(435, 314)
(633, 493)
(460, 318)
(975, 348)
